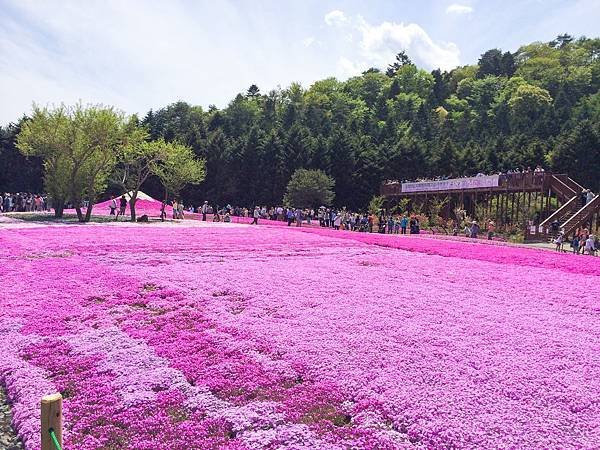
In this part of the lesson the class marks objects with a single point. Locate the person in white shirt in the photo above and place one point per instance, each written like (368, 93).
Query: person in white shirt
(559, 242)
(590, 196)
(204, 210)
(337, 222)
(590, 247)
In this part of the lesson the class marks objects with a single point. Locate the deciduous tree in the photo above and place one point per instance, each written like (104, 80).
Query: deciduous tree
(309, 189)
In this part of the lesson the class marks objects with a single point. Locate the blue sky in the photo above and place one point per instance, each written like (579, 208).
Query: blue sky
(138, 55)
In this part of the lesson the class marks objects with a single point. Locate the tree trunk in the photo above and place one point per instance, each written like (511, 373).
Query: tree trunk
(59, 206)
(163, 216)
(80, 217)
(92, 199)
(88, 213)
(132, 202)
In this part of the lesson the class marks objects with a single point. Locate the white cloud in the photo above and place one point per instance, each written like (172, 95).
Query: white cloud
(346, 68)
(456, 8)
(379, 44)
(143, 54)
(336, 18)
(307, 42)
(97, 54)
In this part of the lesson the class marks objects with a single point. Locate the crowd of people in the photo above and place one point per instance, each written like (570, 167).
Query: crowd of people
(538, 169)
(342, 219)
(339, 219)
(583, 242)
(23, 202)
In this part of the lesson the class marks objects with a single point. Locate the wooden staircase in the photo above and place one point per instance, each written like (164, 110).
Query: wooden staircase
(582, 217)
(571, 215)
(561, 215)
(564, 187)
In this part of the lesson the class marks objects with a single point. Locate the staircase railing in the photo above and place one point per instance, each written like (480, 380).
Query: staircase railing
(561, 188)
(582, 215)
(573, 184)
(560, 214)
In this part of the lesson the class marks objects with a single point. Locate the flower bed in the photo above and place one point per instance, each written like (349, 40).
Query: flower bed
(464, 248)
(265, 337)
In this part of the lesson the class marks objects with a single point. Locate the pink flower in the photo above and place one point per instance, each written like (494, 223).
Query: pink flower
(240, 337)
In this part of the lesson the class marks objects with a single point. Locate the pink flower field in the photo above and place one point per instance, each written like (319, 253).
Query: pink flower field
(200, 336)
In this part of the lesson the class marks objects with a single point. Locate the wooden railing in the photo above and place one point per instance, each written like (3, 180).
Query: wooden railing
(564, 212)
(571, 183)
(582, 215)
(524, 181)
(561, 188)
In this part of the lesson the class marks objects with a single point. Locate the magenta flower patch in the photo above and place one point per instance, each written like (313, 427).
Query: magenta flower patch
(246, 337)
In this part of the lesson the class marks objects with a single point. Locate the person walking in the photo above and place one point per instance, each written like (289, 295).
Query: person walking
(583, 236)
(583, 196)
(404, 223)
(491, 228)
(590, 245)
(337, 221)
(558, 242)
(290, 217)
(255, 216)
(204, 210)
(175, 208)
(298, 217)
(589, 196)
(113, 205)
(163, 213)
(413, 225)
(474, 230)
(122, 207)
(575, 243)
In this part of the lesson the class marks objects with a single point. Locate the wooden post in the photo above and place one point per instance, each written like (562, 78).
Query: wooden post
(512, 209)
(51, 418)
(497, 206)
(506, 207)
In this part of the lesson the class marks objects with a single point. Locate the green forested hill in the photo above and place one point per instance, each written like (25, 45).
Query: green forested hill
(540, 105)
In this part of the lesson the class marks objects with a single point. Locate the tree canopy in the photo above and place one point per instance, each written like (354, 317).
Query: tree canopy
(309, 189)
(507, 111)
(79, 148)
(82, 148)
